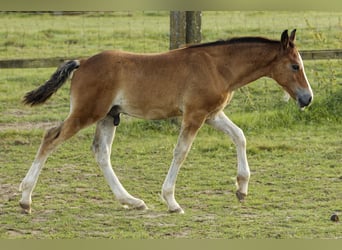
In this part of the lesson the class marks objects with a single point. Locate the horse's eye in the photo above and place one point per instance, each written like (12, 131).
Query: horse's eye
(295, 67)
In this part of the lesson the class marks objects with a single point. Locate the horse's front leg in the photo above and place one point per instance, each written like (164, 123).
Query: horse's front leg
(190, 126)
(222, 123)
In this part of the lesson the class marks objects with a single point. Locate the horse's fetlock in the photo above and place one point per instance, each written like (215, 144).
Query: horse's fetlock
(167, 192)
(242, 178)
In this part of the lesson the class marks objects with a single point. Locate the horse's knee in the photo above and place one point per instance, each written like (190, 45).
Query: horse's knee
(240, 138)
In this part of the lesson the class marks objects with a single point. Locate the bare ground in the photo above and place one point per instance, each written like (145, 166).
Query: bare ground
(26, 126)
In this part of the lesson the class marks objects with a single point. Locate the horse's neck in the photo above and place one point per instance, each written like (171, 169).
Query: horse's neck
(244, 63)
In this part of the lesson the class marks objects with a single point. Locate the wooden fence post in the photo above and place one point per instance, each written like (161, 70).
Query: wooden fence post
(185, 27)
(193, 26)
(177, 29)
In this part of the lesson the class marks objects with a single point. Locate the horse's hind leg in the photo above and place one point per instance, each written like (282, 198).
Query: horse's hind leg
(51, 140)
(102, 145)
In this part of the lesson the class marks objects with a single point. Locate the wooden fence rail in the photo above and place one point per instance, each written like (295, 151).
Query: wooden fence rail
(321, 54)
(55, 61)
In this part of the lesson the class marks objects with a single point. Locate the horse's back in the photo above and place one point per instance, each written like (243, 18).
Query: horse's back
(150, 86)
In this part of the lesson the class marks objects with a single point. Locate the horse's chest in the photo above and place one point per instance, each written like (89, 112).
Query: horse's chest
(220, 102)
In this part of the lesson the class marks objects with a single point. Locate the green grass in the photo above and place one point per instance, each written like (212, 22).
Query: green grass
(295, 157)
(295, 186)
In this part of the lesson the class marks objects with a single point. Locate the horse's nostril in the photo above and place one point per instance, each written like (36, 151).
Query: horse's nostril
(304, 101)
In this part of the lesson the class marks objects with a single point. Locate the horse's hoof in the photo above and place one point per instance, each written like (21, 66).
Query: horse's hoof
(176, 211)
(141, 207)
(26, 208)
(241, 197)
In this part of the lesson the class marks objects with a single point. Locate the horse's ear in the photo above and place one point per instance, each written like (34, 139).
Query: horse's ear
(284, 40)
(293, 36)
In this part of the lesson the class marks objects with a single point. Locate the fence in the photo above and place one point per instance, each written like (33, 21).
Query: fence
(54, 61)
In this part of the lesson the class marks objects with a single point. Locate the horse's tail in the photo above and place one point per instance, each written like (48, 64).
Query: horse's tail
(45, 91)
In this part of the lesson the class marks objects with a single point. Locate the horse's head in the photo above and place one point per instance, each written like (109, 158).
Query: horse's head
(289, 72)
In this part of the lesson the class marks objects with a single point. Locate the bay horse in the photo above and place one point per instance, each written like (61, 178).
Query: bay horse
(195, 82)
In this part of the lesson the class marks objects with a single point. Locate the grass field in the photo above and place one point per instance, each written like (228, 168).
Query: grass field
(295, 157)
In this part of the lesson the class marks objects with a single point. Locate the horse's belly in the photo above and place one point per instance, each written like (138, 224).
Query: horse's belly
(151, 113)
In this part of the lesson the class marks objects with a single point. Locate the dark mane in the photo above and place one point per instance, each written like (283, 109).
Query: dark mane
(235, 41)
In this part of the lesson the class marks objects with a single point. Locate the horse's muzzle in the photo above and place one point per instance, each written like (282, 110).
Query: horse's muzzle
(304, 100)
